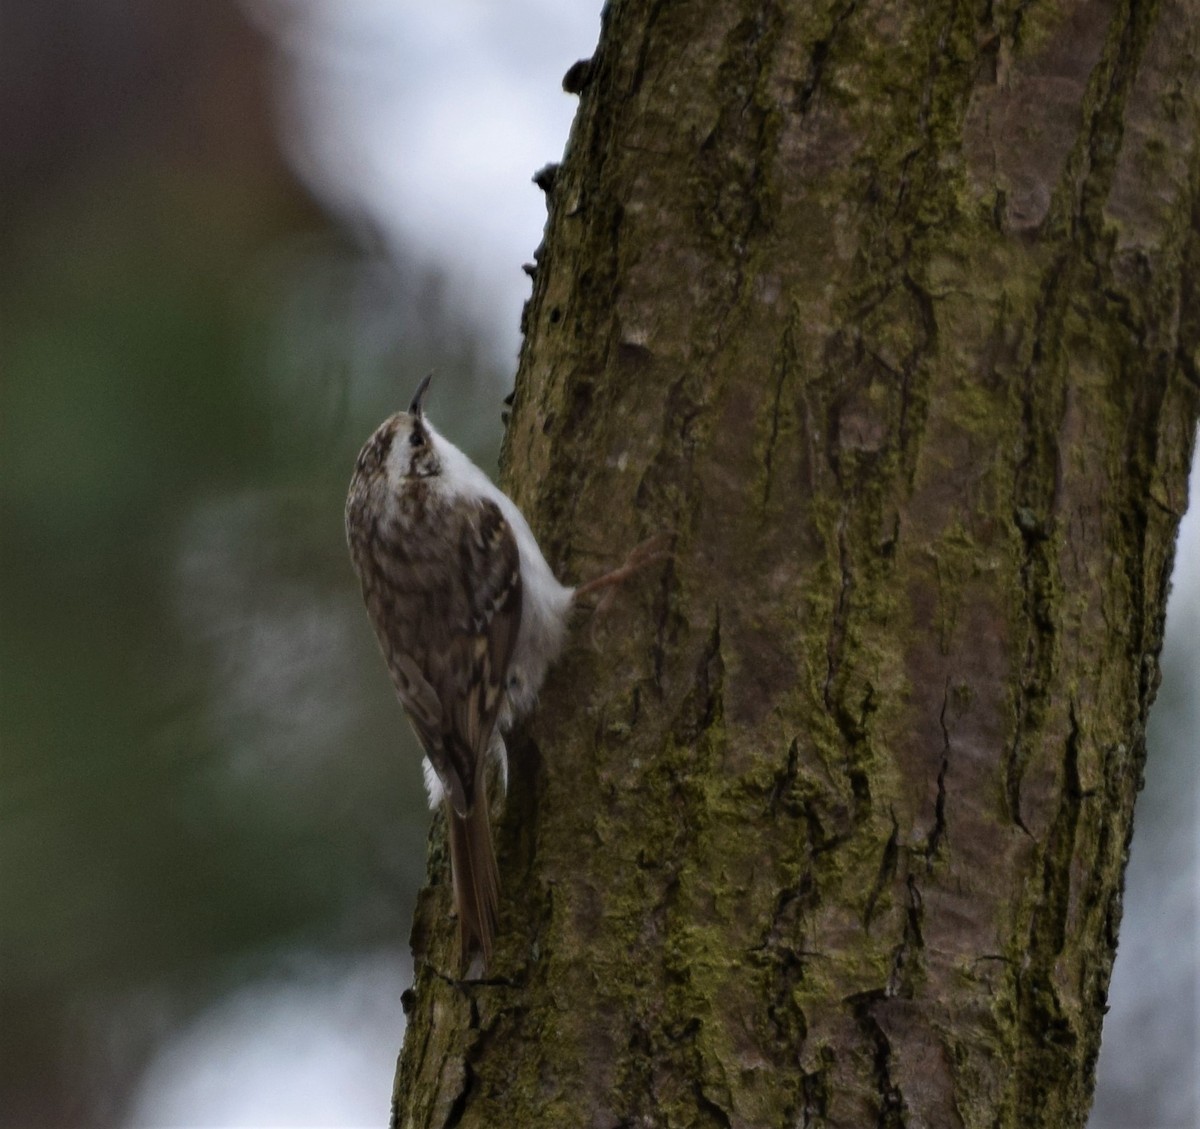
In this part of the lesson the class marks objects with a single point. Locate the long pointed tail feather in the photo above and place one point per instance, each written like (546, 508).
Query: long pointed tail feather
(476, 880)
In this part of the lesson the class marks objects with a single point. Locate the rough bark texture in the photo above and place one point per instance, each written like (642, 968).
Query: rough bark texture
(887, 312)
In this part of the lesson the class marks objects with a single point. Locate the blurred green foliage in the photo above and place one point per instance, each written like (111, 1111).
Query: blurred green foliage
(201, 763)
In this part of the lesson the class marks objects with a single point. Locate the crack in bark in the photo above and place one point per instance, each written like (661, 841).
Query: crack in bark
(459, 1106)
(911, 363)
(783, 366)
(925, 101)
(1036, 483)
(892, 1107)
(1056, 877)
(887, 871)
(735, 157)
(636, 1076)
(646, 40)
(814, 1093)
(851, 725)
(705, 1104)
(819, 54)
(785, 781)
(704, 703)
(911, 946)
(934, 839)
(1047, 1031)
(837, 623)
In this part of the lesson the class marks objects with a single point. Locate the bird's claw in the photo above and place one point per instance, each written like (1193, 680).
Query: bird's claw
(642, 556)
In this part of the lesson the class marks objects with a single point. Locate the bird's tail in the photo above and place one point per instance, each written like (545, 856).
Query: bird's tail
(476, 879)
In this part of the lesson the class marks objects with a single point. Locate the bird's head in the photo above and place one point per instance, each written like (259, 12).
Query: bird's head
(404, 446)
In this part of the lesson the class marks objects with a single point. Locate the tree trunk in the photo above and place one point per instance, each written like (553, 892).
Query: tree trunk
(887, 312)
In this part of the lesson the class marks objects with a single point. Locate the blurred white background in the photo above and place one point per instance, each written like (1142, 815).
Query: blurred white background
(424, 124)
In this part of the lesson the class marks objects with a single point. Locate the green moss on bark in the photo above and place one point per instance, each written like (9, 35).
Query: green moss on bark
(862, 305)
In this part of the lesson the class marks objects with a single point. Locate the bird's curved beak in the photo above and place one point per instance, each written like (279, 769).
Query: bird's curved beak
(415, 407)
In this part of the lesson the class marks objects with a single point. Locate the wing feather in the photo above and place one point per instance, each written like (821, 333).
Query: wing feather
(447, 621)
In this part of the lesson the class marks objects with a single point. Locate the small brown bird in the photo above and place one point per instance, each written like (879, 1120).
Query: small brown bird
(469, 617)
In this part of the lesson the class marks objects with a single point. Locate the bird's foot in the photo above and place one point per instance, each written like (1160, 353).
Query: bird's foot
(641, 557)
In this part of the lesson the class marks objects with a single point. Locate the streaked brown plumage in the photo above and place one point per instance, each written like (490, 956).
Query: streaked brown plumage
(441, 580)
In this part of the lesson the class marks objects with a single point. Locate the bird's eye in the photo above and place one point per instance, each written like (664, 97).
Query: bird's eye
(415, 438)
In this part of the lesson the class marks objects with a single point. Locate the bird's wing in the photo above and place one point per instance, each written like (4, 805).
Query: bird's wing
(485, 645)
(449, 632)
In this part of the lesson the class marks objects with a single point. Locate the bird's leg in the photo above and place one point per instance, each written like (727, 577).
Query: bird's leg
(642, 556)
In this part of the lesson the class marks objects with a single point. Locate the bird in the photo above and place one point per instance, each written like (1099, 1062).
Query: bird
(469, 617)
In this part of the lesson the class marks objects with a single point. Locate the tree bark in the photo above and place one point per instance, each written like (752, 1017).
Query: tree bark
(887, 312)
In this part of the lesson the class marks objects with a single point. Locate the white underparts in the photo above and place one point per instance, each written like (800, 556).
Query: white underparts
(497, 754)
